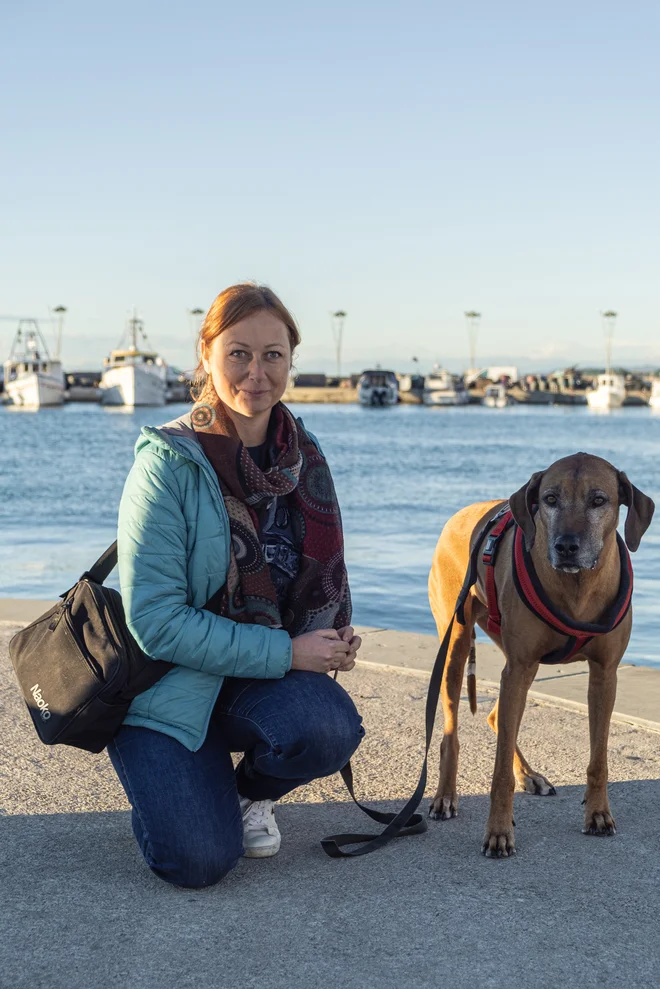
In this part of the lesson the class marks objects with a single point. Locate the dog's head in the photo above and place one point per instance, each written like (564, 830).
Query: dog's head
(578, 501)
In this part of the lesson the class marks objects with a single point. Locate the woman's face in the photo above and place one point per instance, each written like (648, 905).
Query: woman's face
(249, 363)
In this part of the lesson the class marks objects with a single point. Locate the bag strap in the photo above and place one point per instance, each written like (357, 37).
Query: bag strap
(405, 822)
(104, 566)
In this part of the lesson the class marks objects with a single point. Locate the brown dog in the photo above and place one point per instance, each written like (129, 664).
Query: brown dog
(572, 543)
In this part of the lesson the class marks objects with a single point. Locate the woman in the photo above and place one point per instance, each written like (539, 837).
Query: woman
(232, 569)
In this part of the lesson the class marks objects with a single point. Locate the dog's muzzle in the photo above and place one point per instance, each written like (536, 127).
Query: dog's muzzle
(568, 554)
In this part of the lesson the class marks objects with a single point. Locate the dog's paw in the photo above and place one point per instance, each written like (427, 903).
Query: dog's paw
(498, 843)
(536, 784)
(600, 823)
(443, 808)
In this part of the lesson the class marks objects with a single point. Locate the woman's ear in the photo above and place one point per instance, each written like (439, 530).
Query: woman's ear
(521, 504)
(204, 356)
(640, 511)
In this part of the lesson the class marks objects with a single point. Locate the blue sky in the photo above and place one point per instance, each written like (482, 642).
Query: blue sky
(404, 162)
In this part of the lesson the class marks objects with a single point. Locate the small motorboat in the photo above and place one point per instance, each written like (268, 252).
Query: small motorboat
(378, 388)
(442, 388)
(496, 397)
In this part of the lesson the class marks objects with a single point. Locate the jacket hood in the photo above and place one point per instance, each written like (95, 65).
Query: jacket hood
(177, 435)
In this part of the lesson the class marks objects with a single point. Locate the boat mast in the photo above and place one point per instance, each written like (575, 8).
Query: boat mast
(29, 342)
(609, 323)
(133, 325)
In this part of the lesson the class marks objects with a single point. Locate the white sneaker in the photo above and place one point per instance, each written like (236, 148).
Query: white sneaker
(261, 835)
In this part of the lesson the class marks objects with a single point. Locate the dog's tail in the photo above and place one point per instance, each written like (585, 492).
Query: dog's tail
(472, 674)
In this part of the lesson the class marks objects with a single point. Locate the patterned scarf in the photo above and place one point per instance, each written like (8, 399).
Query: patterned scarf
(319, 596)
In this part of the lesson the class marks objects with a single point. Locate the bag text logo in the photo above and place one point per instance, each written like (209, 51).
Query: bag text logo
(44, 713)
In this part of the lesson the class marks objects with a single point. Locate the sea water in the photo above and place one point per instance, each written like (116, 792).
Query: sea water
(400, 473)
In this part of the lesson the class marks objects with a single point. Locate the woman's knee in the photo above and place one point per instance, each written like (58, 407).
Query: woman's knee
(328, 737)
(195, 868)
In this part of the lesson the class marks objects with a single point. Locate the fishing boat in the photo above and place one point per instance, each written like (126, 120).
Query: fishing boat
(496, 397)
(378, 388)
(609, 393)
(654, 399)
(441, 388)
(610, 389)
(133, 376)
(32, 378)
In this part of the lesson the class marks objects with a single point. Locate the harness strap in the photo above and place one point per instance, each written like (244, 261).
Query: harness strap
(494, 625)
(503, 520)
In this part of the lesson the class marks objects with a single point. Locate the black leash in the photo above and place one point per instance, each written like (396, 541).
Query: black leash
(406, 822)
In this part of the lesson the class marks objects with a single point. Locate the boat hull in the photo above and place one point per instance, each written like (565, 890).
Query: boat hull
(495, 403)
(605, 398)
(133, 386)
(445, 398)
(377, 396)
(35, 390)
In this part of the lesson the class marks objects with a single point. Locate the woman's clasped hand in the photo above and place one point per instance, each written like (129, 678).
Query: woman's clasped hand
(325, 649)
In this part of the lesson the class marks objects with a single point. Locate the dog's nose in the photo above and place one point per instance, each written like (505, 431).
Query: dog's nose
(567, 545)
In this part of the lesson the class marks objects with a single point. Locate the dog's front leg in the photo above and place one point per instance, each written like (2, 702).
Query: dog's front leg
(601, 696)
(499, 838)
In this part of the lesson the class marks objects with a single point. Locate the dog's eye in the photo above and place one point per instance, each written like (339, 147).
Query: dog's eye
(550, 500)
(598, 501)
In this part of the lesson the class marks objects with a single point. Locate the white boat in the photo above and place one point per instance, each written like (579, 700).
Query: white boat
(411, 382)
(609, 392)
(496, 397)
(132, 376)
(654, 399)
(441, 388)
(31, 377)
(378, 388)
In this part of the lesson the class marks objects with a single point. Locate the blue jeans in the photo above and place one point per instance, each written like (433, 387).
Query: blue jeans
(186, 815)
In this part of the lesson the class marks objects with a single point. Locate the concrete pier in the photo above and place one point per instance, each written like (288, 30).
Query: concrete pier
(568, 910)
(321, 396)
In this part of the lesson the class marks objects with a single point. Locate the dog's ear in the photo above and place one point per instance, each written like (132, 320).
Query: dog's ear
(521, 504)
(640, 511)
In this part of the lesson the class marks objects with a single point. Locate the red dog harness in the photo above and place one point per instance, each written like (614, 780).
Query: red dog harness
(531, 591)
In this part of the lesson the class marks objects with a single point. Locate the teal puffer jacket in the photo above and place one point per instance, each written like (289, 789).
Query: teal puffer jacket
(173, 541)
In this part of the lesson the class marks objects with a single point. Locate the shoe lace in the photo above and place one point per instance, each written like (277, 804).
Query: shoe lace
(259, 813)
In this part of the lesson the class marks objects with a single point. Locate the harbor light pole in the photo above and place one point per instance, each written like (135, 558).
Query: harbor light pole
(195, 321)
(472, 320)
(609, 323)
(337, 324)
(60, 310)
